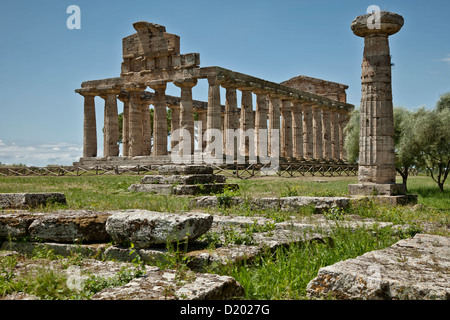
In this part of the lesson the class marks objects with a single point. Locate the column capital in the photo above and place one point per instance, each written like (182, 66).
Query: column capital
(87, 92)
(186, 83)
(157, 85)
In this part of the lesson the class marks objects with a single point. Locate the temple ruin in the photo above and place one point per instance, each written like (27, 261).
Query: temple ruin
(301, 119)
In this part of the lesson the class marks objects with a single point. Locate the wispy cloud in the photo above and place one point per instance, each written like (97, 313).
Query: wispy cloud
(446, 59)
(61, 153)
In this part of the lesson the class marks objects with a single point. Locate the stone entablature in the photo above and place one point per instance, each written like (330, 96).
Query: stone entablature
(151, 58)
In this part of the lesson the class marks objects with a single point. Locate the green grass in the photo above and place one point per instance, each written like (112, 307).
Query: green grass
(283, 274)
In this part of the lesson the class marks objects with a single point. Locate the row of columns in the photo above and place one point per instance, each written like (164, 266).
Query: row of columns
(303, 130)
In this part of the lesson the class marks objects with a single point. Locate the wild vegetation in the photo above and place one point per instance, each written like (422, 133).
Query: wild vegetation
(282, 274)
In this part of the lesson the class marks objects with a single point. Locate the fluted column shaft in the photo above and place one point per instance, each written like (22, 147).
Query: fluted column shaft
(89, 127)
(247, 121)
(326, 133)
(146, 129)
(286, 129)
(111, 125)
(317, 132)
(308, 141)
(261, 125)
(231, 122)
(274, 123)
(297, 130)
(135, 124)
(159, 119)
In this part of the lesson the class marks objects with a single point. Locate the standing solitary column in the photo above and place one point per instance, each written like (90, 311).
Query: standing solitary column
(376, 172)
(308, 152)
(297, 130)
(317, 132)
(326, 133)
(89, 124)
(159, 119)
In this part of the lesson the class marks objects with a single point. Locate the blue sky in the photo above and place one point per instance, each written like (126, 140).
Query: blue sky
(42, 62)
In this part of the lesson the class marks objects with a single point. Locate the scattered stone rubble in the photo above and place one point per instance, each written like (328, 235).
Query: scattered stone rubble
(183, 180)
(424, 260)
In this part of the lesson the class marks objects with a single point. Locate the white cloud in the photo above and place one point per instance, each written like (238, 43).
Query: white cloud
(447, 58)
(61, 153)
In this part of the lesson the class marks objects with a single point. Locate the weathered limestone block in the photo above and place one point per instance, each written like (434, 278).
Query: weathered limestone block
(183, 189)
(185, 169)
(183, 179)
(70, 227)
(320, 204)
(159, 285)
(201, 260)
(146, 228)
(15, 225)
(151, 255)
(30, 200)
(411, 269)
(152, 188)
(60, 249)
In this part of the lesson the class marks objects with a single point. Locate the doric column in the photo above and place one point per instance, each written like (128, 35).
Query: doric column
(174, 127)
(376, 152)
(343, 119)
(202, 118)
(317, 132)
(286, 129)
(125, 122)
(135, 123)
(111, 124)
(159, 118)
(326, 133)
(274, 123)
(335, 149)
(89, 124)
(297, 130)
(186, 121)
(308, 141)
(247, 122)
(261, 110)
(146, 128)
(231, 120)
(214, 112)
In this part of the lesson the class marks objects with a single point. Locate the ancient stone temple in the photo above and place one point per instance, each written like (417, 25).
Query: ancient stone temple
(297, 120)
(376, 172)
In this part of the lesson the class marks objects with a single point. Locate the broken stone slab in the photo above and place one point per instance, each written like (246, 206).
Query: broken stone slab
(183, 179)
(147, 228)
(412, 269)
(210, 259)
(63, 226)
(151, 256)
(71, 227)
(30, 200)
(185, 169)
(320, 204)
(60, 249)
(182, 189)
(171, 285)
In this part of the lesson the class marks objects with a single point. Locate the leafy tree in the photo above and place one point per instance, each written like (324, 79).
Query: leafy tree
(443, 102)
(431, 136)
(351, 133)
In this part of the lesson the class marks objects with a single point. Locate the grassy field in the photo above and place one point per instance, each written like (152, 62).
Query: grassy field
(280, 275)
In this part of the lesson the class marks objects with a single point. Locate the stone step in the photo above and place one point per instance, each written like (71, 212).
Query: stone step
(30, 200)
(412, 269)
(183, 179)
